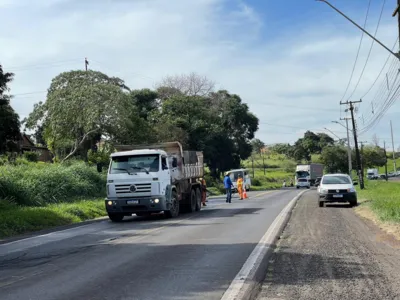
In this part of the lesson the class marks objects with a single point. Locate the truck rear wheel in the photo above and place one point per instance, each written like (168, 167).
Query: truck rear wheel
(198, 199)
(173, 212)
(193, 201)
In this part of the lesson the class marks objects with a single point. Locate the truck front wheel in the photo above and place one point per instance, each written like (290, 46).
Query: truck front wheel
(116, 217)
(173, 212)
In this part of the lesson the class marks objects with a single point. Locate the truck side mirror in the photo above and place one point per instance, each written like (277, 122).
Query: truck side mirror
(174, 162)
(355, 183)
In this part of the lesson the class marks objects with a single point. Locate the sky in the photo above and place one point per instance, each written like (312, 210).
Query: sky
(290, 61)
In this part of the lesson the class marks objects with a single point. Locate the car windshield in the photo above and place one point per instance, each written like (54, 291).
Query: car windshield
(336, 180)
(135, 164)
(235, 175)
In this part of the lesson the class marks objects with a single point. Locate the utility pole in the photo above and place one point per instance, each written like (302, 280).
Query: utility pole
(384, 151)
(362, 158)
(348, 144)
(397, 12)
(263, 161)
(394, 153)
(358, 158)
(252, 164)
(86, 63)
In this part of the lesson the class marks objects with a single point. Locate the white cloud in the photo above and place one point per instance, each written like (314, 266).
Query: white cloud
(142, 41)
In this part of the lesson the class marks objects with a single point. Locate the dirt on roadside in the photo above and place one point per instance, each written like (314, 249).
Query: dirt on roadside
(330, 253)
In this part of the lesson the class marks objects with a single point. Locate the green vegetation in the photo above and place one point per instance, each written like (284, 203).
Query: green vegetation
(383, 198)
(17, 219)
(35, 184)
(35, 196)
(277, 169)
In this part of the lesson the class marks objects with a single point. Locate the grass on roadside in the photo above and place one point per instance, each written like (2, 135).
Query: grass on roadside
(35, 184)
(17, 220)
(383, 198)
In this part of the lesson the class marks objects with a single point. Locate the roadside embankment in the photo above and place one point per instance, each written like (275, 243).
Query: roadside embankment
(380, 203)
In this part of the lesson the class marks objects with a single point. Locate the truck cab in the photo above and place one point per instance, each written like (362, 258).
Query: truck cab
(137, 181)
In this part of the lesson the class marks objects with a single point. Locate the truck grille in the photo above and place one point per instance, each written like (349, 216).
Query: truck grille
(336, 191)
(121, 189)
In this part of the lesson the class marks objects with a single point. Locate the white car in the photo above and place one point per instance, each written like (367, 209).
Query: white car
(337, 188)
(303, 182)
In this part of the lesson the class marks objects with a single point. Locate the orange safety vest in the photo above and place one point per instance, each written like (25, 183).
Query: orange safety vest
(239, 184)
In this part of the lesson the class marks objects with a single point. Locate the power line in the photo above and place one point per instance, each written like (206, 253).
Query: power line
(299, 107)
(384, 90)
(296, 127)
(383, 94)
(380, 73)
(44, 65)
(358, 52)
(369, 52)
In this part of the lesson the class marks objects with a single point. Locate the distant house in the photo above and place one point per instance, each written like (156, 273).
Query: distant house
(26, 144)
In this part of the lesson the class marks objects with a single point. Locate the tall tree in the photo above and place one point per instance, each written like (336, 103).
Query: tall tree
(5, 79)
(373, 157)
(80, 106)
(191, 84)
(9, 119)
(335, 159)
(146, 101)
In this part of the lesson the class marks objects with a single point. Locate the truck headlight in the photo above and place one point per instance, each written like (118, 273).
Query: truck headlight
(156, 200)
(109, 203)
(351, 190)
(323, 191)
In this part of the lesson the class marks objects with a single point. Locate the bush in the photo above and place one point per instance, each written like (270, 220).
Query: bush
(256, 182)
(34, 184)
(31, 156)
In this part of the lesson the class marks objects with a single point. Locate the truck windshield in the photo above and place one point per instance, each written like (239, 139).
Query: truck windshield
(302, 174)
(135, 164)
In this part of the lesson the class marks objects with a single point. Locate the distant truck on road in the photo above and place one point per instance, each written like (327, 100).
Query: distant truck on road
(372, 174)
(310, 172)
(156, 178)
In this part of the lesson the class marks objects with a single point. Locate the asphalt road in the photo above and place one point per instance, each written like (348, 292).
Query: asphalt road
(195, 256)
(330, 253)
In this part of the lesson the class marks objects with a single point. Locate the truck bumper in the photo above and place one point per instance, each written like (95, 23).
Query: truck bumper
(130, 206)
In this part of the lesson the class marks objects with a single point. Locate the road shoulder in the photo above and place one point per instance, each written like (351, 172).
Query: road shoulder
(330, 253)
(365, 212)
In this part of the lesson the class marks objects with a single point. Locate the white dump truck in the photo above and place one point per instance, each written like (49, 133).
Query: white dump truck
(156, 178)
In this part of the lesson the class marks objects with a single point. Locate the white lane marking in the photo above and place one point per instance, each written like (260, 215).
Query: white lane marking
(260, 250)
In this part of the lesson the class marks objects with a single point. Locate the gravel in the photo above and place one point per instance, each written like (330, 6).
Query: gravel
(330, 253)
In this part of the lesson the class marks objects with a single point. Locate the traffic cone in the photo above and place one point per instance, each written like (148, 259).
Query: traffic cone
(244, 194)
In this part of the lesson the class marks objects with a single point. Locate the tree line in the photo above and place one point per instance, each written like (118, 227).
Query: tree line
(84, 107)
(333, 154)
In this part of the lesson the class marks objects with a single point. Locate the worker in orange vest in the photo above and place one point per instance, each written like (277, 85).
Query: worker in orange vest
(239, 184)
(203, 191)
